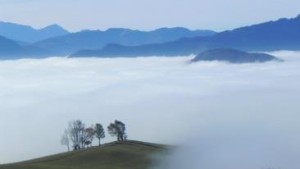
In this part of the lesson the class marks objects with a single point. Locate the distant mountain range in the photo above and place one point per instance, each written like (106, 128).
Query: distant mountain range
(233, 56)
(65, 43)
(19, 41)
(283, 34)
(68, 44)
(27, 34)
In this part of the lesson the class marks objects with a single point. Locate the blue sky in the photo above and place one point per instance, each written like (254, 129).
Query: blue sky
(145, 14)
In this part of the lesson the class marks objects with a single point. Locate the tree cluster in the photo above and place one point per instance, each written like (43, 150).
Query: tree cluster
(117, 129)
(81, 137)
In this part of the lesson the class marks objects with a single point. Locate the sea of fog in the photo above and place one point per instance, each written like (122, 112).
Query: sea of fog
(225, 116)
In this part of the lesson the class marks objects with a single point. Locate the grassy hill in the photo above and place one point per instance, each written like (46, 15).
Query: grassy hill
(116, 155)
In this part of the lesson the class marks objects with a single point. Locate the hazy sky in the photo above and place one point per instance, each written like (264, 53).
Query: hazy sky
(162, 100)
(146, 14)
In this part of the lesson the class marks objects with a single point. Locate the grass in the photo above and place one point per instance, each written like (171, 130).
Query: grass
(116, 155)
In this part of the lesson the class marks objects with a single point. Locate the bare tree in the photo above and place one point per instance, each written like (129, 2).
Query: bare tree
(99, 131)
(117, 129)
(76, 131)
(65, 139)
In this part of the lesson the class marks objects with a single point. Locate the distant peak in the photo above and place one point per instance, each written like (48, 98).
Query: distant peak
(172, 28)
(117, 29)
(55, 27)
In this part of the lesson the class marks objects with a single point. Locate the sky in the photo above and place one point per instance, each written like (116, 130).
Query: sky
(162, 100)
(76, 15)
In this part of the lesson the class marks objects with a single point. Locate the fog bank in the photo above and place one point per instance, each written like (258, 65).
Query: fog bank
(161, 100)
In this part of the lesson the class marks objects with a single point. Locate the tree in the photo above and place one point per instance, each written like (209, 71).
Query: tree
(65, 139)
(76, 131)
(117, 129)
(99, 131)
(88, 136)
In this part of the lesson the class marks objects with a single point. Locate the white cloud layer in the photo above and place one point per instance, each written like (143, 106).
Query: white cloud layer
(160, 99)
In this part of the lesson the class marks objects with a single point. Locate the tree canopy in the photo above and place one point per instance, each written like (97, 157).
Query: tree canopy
(117, 129)
(99, 131)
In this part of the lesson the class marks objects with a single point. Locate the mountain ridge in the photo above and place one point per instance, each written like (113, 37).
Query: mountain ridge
(96, 39)
(28, 34)
(10, 49)
(281, 34)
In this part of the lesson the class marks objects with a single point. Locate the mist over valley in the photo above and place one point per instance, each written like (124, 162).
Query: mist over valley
(184, 100)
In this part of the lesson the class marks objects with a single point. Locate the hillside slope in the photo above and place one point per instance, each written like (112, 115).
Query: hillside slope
(117, 155)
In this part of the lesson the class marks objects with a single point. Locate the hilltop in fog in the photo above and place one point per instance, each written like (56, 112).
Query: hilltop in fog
(233, 56)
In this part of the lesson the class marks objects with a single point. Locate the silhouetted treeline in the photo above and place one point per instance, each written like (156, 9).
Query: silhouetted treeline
(79, 136)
